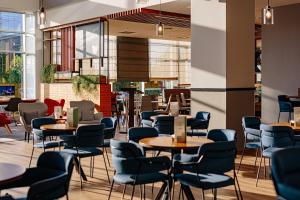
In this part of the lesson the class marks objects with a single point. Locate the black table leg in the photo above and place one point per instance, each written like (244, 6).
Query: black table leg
(161, 191)
(77, 166)
(188, 193)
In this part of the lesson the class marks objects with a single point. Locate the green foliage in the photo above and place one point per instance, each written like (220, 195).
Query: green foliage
(123, 84)
(14, 74)
(85, 83)
(47, 73)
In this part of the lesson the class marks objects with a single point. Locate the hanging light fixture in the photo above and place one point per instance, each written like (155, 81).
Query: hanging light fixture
(268, 14)
(42, 15)
(160, 27)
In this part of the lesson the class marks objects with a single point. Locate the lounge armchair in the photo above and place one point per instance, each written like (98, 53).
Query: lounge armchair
(87, 113)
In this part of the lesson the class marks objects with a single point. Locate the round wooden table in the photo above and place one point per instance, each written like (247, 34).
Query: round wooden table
(10, 172)
(154, 117)
(295, 128)
(167, 142)
(57, 127)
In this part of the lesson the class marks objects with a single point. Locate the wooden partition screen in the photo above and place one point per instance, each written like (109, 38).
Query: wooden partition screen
(132, 59)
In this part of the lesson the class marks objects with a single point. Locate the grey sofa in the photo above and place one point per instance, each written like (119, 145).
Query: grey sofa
(87, 113)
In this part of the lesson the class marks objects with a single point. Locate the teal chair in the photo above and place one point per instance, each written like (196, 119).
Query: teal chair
(286, 173)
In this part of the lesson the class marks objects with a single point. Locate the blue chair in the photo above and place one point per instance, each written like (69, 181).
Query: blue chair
(110, 126)
(199, 123)
(208, 172)
(49, 179)
(44, 135)
(146, 118)
(273, 138)
(86, 142)
(286, 173)
(164, 125)
(133, 168)
(135, 134)
(251, 127)
(216, 135)
(284, 106)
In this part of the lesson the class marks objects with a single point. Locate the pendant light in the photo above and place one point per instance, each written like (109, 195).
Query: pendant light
(42, 15)
(160, 27)
(141, 1)
(268, 14)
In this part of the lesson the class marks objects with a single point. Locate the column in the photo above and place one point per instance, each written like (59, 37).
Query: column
(222, 73)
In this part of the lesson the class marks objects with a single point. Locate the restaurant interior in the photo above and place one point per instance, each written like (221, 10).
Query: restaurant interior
(149, 99)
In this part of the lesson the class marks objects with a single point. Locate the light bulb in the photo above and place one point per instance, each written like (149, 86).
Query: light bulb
(268, 14)
(42, 13)
(160, 29)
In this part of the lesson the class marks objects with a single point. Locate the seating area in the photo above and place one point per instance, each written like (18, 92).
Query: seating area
(149, 99)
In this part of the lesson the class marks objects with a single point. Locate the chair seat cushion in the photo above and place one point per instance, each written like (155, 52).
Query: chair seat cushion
(269, 151)
(196, 133)
(146, 123)
(141, 179)
(48, 144)
(252, 145)
(84, 152)
(205, 181)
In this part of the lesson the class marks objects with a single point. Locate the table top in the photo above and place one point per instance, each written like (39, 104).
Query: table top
(57, 127)
(154, 117)
(167, 142)
(10, 172)
(295, 128)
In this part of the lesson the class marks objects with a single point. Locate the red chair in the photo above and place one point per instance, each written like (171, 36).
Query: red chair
(51, 103)
(5, 121)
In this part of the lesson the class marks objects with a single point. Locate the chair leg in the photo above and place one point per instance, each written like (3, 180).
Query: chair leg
(67, 196)
(261, 158)
(278, 117)
(141, 192)
(132, 193)
(215, 194)
(31, 156)
(241, 159)
(236, 192)
(124, 191)
(203, 195)
(144, 191)
(106, 168)
(107, 156)
(111, 188)
(238, 186)
(79, 171)
(91, 164)
(256, 154)
(265, 168)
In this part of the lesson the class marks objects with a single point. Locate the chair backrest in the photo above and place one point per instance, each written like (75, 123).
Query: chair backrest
(124, 156)
(137, 133)
(164, 125)
(222, 135)
(276, 136)
(13, 103)
(147, 114)
(284, 103)
(51, 103)
(217, 157)
(146, 104)
(251, 122)
(86, 109)
(183, 100)
(286, 172)
(29, 111)
(38, 122)
(203, 115)
(90, 135)
(59, 161)
(108, 122)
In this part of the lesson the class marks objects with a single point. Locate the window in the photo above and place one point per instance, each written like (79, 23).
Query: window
(17, 52)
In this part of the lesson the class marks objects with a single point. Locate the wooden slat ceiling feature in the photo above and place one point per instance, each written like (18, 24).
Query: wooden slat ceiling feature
(150, 16)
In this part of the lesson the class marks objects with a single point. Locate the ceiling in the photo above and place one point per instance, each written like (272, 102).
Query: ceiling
(175, 33)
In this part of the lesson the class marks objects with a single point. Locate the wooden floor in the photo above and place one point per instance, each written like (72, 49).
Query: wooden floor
(17, 151)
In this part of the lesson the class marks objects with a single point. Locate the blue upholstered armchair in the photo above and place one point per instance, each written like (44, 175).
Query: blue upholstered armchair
(86, 142)
(286, 173)
(284, 106)
(199, 123)
(251, 127)
(210, 169)
(164, 125)
(110, 126)
(49, 179)
(44, 135)
(133, 168)
(145, 118)
(274, 138)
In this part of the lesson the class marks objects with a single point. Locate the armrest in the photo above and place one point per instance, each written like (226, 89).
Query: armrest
(199, 124)
(98, 116)
(69, 140)
(252, 131)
